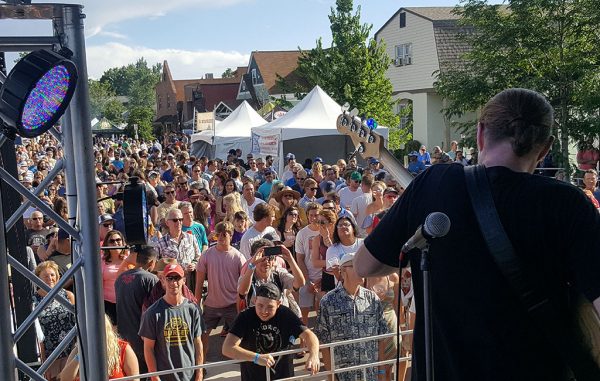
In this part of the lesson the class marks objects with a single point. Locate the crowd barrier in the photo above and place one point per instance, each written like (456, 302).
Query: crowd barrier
(323, 374)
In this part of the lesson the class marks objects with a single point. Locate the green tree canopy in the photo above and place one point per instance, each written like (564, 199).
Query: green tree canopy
(550, 46)
(228, 73)
(352, 70)
(103, 102)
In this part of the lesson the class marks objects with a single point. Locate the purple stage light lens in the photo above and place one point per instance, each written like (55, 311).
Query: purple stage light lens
(46, 98)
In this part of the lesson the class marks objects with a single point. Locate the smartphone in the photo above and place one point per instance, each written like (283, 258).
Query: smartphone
(270, 251)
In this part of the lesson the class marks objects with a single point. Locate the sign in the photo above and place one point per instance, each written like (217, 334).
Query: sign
(204, 121)
(265, 145)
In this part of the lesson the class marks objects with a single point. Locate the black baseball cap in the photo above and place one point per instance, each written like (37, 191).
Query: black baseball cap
(269, 290)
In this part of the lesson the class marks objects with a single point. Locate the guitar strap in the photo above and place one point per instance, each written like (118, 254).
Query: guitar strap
(533, 298)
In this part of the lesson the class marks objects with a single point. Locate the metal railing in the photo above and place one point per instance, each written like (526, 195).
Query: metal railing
(320, 374)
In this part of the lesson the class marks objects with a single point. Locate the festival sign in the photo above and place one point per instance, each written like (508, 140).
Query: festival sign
(265, 145)
(204, 121)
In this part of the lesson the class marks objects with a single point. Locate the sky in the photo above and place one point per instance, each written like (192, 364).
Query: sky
(204, 36)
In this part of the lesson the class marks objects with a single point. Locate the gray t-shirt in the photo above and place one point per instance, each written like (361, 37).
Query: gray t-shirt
(131, 288)
(174, 329)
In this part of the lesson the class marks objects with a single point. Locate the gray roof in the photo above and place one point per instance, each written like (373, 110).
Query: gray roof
(434, 13)
(449, 46)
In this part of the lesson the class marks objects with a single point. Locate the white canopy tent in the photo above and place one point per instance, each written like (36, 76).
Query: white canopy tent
(231, 133)
(307, 130)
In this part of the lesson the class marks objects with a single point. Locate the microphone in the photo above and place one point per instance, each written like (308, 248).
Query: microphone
(436, 225)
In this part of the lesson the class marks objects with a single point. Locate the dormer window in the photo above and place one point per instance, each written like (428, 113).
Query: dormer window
(254, 76)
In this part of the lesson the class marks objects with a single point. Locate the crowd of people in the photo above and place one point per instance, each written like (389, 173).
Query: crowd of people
(231, 242)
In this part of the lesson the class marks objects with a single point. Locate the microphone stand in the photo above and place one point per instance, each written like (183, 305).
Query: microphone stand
(427, 313)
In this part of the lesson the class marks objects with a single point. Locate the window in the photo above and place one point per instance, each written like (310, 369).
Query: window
(159, 102)
(168, 100)
(405, 112)
(254, 77)
(403, 55)
(402, 19)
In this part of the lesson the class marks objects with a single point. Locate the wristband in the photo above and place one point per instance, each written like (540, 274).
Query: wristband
(256, 358)
(252, 266)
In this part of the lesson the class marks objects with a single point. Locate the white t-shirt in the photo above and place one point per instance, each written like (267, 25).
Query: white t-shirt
(338, 250)
(358, 209)
(303, 246)
(346, 196)
(251, 174)
(249, 209)
(252, 235)
(287, 175)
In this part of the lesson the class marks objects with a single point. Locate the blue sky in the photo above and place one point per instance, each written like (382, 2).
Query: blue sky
(205, 36)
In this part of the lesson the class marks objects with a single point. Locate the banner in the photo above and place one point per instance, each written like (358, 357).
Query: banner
(265, 145)
(204, 121)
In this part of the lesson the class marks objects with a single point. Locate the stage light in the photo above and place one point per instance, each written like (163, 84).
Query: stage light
(37, 92)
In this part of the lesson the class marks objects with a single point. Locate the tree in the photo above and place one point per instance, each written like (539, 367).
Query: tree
(352, 70)
(546, 45)
(228, 73)
(136, 82)
(103, 102)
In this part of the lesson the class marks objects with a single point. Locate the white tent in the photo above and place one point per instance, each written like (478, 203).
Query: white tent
(307, 130)
(231, 133)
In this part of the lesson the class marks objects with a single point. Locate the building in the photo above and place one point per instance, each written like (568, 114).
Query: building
(259, 85)
(179, 100)
(422, 41)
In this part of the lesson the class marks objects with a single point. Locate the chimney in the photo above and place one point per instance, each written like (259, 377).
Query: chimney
(209, 76)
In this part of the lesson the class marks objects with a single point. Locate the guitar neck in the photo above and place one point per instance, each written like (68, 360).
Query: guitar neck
(394, 167)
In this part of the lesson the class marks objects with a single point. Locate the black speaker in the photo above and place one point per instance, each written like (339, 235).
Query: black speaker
(135, 212)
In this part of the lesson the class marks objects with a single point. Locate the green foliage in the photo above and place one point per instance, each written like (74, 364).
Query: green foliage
(546, 45)
(228, 73)
(142, 117)
(103, 102)
(352, 70)
(136, 82)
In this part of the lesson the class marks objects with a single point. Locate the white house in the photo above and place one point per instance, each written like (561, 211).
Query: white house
(421, 41)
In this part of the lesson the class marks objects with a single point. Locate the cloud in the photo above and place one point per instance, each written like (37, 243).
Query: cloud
(102, 13)
(184, 64)
(119, 36)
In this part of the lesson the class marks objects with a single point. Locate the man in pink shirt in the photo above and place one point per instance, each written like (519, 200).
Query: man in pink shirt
(222, 264)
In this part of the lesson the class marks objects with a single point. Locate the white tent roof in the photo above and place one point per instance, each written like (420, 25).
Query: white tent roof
(315, 115)
(237, 125)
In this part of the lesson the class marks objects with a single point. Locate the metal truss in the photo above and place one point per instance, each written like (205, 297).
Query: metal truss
(82, 225)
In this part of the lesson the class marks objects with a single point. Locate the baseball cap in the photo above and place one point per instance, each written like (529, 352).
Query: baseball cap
(413, 153)
(318, 159)
(373, 161)
(268, 171)
(390, 190)
(249, 156)
(269, 290)
(327, 186)
(232, 152)
(356, 176)
(153, 174)
(290, 156)
(173, 269)
(105, 218)
(346, 258)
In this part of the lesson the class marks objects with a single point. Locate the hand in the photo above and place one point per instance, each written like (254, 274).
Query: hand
(190, 267)
(266, 360)
(286, 254)
(313, 363)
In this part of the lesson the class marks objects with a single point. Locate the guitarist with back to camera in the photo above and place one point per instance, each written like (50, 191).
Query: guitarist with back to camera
(482, 328)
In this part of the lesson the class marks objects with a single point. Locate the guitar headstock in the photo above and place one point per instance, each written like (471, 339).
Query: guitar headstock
(367, 141)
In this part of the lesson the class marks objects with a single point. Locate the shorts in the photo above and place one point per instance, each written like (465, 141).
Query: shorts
(212, 316)
(307, 299)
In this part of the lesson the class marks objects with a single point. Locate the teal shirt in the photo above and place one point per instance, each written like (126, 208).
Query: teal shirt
(199, 232)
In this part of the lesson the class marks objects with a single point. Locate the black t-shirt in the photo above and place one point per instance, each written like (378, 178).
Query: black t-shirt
(131, 289)
(480, 331)
(270, 336)
(36, 238)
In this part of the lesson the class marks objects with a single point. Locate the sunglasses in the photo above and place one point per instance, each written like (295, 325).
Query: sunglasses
(314, 189)
(301, 178)
(169, 192)
(115, 240)
(182, 186)
(176, 219)
(108, 224)
(294, 214)
(172, 278)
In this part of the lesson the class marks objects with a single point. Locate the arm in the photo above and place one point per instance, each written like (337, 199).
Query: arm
(200, 277)
(246, 278)
(154, 215)
(149, 357)
(312, 343)
(231, 348)
(71, 369)
(70, 296)
(199, 357)
(314, 253)
(130, 365)
(294, 269)
(367, 265)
